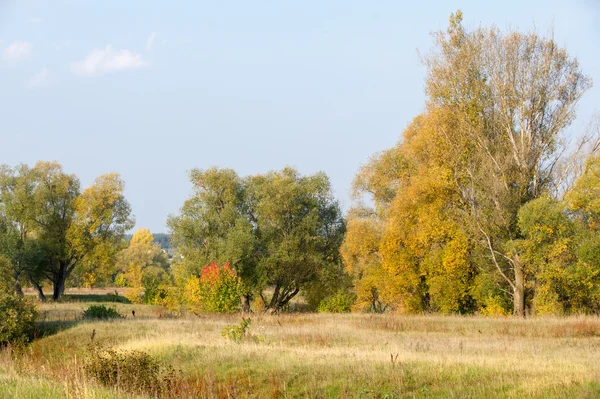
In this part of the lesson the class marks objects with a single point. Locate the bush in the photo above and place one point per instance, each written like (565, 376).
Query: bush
(216, 290)
(236, 333)
(131, 371)
(17, 319)
(341, 302)
(101, 312)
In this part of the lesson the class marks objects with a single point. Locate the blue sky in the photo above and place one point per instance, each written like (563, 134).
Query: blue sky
(151, 89)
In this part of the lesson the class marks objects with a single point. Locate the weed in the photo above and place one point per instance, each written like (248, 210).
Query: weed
(237, 332)
(130, 371)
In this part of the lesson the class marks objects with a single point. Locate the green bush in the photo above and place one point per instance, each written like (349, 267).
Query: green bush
(131, 371)
(236, 333)
(101, 312)
(17, 319)
(341, 302)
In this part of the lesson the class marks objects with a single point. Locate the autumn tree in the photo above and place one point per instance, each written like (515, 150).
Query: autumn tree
(144, 268)
(489, 142)
(373, 189)
(217, 290)
(512, 96)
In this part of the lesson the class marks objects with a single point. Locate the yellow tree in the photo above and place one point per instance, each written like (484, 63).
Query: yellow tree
(512, 95)
(377, 182)
(144, 268)
(424, 246)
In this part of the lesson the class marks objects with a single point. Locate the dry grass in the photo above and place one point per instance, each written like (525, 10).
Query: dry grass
(308, 355)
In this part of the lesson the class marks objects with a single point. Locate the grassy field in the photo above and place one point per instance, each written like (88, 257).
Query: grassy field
(318, 355)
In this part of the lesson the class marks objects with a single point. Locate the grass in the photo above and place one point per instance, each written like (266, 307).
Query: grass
(321, 355)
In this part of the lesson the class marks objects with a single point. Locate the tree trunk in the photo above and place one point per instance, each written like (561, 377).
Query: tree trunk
(280, 299)
(18, 288)
(39, 290)
(519, 291)
(59, 282)
(246, 298)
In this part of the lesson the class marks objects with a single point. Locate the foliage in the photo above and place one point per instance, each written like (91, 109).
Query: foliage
(50, 227)
(341, 302)
(143, 267)
(162, 239)
(453, 206)
(129, 371)
(237, 332)
(218, 290)
(279, 229)
(101, 312)
(17, 319)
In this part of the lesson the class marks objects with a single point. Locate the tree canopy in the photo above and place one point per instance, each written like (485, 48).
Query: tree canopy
(50, 227)
(278, 230)
(450, 226)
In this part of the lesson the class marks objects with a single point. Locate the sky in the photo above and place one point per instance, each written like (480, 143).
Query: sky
(151, 89)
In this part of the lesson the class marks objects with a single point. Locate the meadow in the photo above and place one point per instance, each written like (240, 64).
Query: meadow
(314, 355)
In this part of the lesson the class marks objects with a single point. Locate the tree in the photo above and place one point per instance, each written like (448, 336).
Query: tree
(512, 95)
(73, 224)
(51, 227)
(215, 226)
(425, 247)
(144, 267)
(409, 251)
(279, 229)
(444, 225)
(18, 317)
(379, 179)
(22, 252)
(216, 290)
(300, 228)
(163, 240)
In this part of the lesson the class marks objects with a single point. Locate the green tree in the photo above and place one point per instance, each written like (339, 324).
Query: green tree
(18, 245)
(280, 230)
(51, 227)
(300, 228)
(215, 225)
(74, 224)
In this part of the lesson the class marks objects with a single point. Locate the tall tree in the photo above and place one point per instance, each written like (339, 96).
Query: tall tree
(373, 190)
(489, 142)
(512, 96)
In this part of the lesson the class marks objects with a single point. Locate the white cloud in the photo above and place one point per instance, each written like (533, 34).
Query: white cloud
(150, 41)
(39, 79)
(36, 20)
(16, 52)
(107, 60)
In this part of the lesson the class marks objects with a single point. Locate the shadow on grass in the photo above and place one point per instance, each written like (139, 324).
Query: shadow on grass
(48, 328)
(114, 298)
